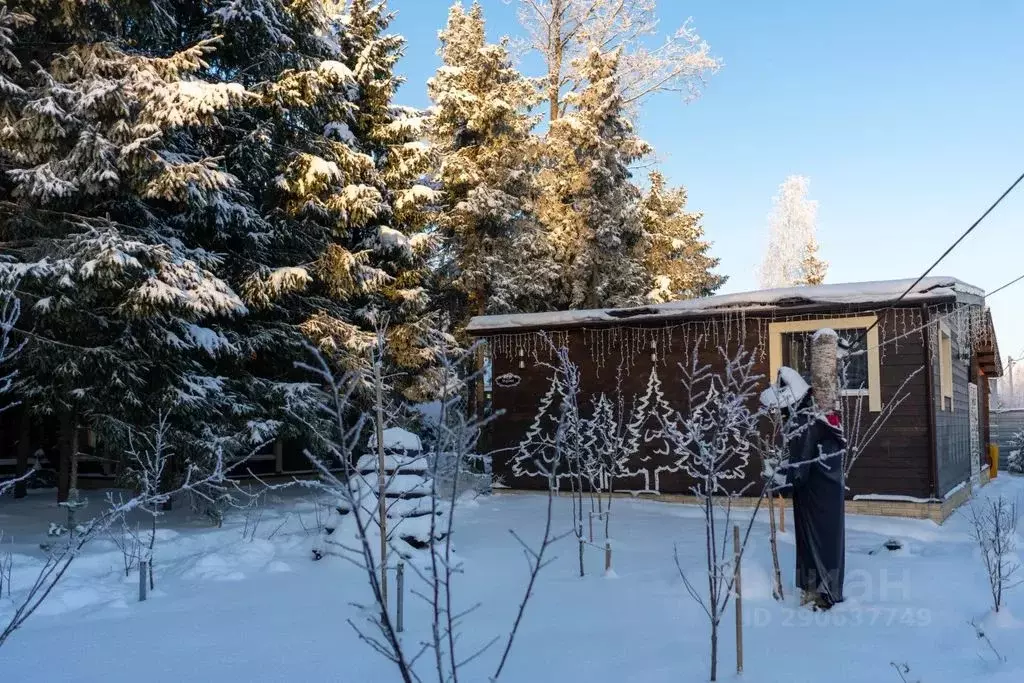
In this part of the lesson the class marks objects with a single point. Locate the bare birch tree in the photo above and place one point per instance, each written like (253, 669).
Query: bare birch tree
(563, 30)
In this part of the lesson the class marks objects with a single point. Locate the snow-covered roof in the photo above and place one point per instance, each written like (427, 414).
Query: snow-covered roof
(765, 300)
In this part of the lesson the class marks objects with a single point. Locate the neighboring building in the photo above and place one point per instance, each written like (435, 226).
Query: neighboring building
(932, 352)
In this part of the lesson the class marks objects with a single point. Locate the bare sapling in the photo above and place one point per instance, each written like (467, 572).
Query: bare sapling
(6, 567)
(129, 542)
(903, 670)
(204, 482)
(457, 432)
(712, 440)
(609, 447)
(994, 529)
(772, 448)
(980, 633)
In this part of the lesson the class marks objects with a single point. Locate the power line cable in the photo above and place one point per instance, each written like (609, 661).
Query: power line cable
(999, 289)
(946, 253)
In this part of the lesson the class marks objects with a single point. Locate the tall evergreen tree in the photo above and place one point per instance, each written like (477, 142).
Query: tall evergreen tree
(589, 206)
(812, 268)
(678, 260)
(495, 258)
(97, 166)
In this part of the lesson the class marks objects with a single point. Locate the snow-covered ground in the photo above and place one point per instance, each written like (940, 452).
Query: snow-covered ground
(231, 609)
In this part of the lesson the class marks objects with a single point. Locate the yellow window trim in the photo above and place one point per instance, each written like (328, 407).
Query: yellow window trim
(776, 330)
(945, 366)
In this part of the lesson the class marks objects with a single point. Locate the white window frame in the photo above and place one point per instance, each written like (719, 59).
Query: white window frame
(868, 322)
(945, 366)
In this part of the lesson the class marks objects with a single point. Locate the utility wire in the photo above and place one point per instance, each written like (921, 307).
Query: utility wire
(999, 289)
(944, 255)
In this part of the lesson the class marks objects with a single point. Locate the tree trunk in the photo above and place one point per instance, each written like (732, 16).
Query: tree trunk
(23, 452)
(714, 650)
(556, 53)
(777, 592)
(65, 448)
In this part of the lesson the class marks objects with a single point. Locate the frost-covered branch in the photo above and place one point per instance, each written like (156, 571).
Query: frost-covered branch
(561, 31)
(712, 440)
(994, 528)
(455, 437)
(60, 557)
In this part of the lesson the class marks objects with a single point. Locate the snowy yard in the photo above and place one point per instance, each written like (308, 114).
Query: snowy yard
(232, 609)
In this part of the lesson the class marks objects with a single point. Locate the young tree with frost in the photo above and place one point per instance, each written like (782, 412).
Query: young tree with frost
(713, 440)
(790, 257)
(994, 529)
(494, 257)
(456, 432)
(678, 259)
(588, 204)
(563, 32)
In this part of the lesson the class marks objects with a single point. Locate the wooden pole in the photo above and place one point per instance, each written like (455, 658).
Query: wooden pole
(607, 556)
(591, 520)
(142, 580)
(582, 542)
(739, 598)
(399, 599)
(382, 519)
(782, 514)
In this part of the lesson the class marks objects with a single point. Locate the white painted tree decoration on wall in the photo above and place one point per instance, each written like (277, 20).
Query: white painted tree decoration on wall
(609, 446)
(538, 446)
(648, 447)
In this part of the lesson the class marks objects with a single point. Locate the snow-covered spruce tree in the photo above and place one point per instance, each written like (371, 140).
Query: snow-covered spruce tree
(363, 184)
(678, 259)
(588, 204)
(99, 163)
(790, 256)
(494, 257)
(812, 268)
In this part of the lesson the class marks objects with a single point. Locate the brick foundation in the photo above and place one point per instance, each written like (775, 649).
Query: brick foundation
(935, 511)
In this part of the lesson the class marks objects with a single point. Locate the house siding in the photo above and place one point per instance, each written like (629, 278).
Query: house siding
(952, 428)
(898, 461)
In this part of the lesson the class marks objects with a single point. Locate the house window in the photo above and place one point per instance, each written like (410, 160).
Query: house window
(945, 368)
(789, 344)
(796, 353)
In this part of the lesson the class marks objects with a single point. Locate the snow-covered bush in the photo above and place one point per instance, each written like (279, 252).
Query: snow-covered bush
(1015, 456)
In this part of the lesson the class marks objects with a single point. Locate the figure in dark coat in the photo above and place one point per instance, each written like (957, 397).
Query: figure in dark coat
(818, 489)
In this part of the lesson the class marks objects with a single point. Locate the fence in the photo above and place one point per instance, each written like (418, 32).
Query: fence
(1004, 424)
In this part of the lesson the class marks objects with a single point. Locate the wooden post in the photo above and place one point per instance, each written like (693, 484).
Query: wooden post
(142, 579)
(400, 580)
(582, 542)
(739, 598)
(782, 514)
(278, 456)
(382, 509)
(65, 439)
(591, 519)
(607, 556)
(23, 452)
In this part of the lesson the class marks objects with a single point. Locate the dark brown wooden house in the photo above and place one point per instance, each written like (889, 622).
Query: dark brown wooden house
(931, 352)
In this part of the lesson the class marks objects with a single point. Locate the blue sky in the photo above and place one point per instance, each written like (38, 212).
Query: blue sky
(906, 116)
